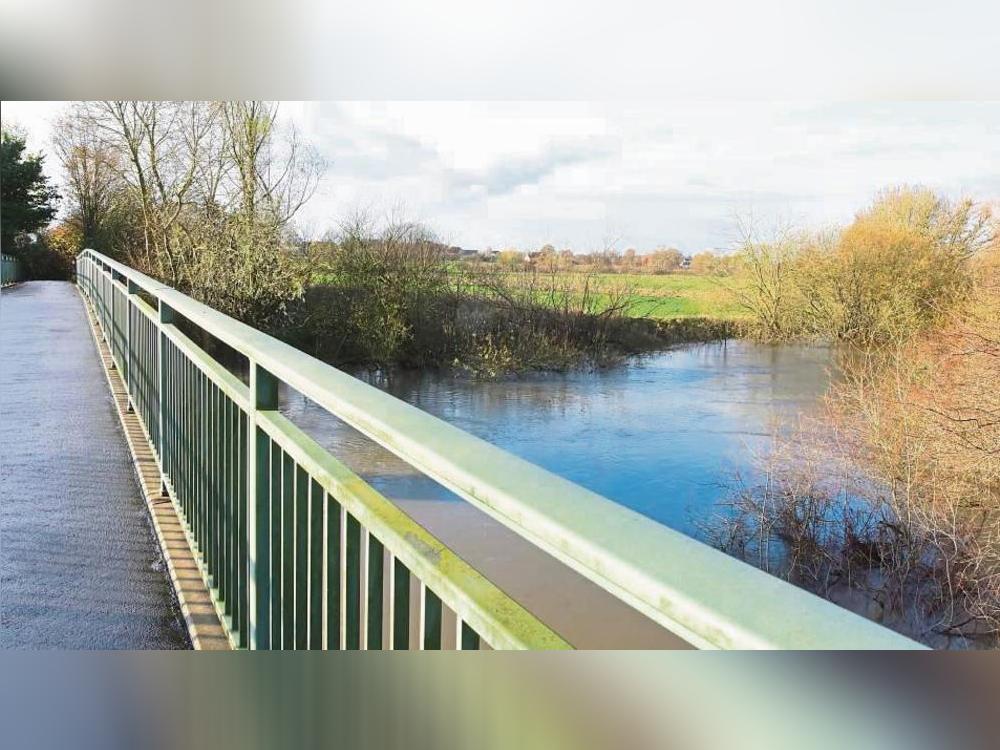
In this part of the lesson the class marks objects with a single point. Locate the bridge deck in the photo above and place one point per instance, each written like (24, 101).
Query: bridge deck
(79, 565)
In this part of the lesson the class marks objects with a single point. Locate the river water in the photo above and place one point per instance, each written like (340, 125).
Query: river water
(661, 435)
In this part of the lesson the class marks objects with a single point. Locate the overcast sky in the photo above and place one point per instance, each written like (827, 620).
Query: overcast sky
(583, 175)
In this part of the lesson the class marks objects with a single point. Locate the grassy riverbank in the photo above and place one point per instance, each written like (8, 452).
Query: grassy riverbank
(389, 297)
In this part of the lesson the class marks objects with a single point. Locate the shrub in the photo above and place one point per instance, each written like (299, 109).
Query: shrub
(901, 265)
(388, 297)
(382, 297)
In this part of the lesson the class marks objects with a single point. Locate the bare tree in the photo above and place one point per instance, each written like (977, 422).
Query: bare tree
(214, 187)
(766, 288)
(274, 176)
(92, 175)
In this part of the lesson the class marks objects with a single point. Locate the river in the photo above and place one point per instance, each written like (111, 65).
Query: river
(661, 435)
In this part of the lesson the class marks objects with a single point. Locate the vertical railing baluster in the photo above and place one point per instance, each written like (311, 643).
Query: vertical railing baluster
(451, 628)
(332, 583)
(328, 558)
(287, 552)
(372, 622)
(226, 507)
(168, 425)
(197, 456)
(274, 538)
(263, 396)
(218, 446)
(363, 590)
(301, 558)
(130, 367)
(388, 598)
(316, 565)
(215, 475)
(244, 503)
(400, 606)
(204, 419)
(166, 316)
(187, 489)
(342, 583)
(355, 584)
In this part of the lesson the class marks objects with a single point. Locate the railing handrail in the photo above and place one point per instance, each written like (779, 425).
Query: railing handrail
(706, 597)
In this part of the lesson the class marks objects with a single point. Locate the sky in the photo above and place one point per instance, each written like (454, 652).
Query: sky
(590, 175)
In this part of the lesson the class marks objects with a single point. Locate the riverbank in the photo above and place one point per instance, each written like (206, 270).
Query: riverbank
(487, 333)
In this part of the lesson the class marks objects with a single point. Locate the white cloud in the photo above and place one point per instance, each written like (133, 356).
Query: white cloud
(36, 120)
(576, 174)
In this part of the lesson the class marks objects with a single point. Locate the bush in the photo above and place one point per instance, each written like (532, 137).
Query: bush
(53, 254)
(380, 297)
(388, 297)
(900, 266)
(246, 269)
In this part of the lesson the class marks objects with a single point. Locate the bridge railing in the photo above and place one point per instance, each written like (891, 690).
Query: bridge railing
(10, 270)
(301, 553)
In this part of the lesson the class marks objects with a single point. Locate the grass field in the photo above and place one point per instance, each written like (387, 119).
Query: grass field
(661, 297)
(679, 295)
(667, 296)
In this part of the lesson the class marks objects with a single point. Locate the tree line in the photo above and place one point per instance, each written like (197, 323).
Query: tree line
(662, 260)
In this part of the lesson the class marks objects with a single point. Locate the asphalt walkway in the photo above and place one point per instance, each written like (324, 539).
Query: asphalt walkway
(79, 565)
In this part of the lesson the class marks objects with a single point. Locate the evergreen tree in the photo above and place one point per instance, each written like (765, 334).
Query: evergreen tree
(27, 200)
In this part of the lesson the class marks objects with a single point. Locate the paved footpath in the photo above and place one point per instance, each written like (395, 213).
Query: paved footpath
(79, 565)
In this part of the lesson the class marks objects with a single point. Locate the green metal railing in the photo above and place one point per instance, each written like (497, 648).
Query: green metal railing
(10, 270)
(301, 553)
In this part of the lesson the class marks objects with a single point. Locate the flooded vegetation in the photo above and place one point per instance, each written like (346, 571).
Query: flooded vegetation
(886, 499)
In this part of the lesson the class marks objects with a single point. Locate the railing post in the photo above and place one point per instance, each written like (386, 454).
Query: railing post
(263, 396)
(166, 316)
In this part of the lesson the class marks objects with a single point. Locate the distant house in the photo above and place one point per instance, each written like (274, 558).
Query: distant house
(454, 251)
